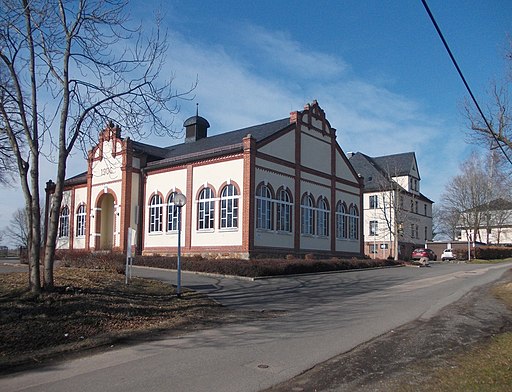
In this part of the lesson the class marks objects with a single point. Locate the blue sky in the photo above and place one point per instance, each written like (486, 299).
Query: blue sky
(377, 68)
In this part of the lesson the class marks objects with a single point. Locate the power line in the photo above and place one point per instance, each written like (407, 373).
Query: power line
(464, 79)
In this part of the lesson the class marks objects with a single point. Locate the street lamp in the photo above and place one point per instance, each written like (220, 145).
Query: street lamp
(179, 201)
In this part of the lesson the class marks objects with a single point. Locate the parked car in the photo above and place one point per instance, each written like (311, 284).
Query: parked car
(420, 253)
(448, 254)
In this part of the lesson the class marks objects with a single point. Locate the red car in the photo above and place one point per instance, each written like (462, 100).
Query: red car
(419, 253)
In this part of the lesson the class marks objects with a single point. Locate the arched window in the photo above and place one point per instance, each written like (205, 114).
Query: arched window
(229, 207)
(341, 221)
(80, 221)
(206, 210)
(264, 207)
(353, 223)
(322, 218)
(64, 222)
(172, 214)
(155, 214)
(284, 210)
(307, 215)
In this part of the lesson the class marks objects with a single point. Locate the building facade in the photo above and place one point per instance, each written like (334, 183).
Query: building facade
(493, 223)
(283, 187)
(397, 216)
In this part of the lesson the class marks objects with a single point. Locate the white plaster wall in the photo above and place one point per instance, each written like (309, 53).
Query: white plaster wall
(312, 177)
(273, 238)
(315, 243)
(316, 190)
(109, 168)
(80, 197)
(135, 199)
(274, 179)
(343, 169)
(262, 163)
(283, 147)
(216, 174)
(403, 181)
(165, 183)
(315, 153)
(347, 245)
(316, 123)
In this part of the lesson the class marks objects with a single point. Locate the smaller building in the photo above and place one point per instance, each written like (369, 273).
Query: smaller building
(490, 223)
(397, 216)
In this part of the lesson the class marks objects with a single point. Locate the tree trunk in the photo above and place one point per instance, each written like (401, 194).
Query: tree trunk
(51, 237)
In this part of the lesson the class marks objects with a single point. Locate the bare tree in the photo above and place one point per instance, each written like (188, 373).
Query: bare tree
(470, 195)
(495, 129)
(446, 222)
(18, 231)
(72, 67)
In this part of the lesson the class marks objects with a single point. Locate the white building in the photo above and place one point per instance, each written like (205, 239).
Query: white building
(283, 187)
(396, 214)
(493, 221)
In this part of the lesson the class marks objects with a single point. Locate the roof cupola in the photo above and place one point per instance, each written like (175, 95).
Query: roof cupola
(195, 128)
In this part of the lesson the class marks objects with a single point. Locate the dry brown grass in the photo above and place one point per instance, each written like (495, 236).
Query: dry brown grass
(486, 367)
(90, 308)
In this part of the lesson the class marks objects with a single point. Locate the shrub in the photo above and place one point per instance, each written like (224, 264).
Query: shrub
(109, 261)
(492, 252)
(260, 267)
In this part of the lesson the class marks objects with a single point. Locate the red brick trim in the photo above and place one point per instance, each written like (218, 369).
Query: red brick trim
(188, 215)
(72, 215)
(126, 193)
(297, 185)
(333, 191)
(248, 193)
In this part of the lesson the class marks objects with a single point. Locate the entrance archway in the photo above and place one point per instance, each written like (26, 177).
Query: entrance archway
(106, 222)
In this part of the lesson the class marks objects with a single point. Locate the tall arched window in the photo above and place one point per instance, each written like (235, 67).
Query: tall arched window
(307, 206)
(172, 214)
(341, 221)
(64, 222)
(284, 210)
(80, 221)
(322, 218)
(229, 207)
(264, 207)
(155, 214)
(206, 210)
(353, 223)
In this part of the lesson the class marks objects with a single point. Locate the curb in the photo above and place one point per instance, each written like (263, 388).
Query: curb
(252, 279)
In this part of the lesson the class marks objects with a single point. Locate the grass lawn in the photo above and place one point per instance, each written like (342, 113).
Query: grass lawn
(91, 308)
(486, 367)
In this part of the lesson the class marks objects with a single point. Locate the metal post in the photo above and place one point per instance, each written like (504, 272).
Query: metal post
(179, 201)
(178, 287)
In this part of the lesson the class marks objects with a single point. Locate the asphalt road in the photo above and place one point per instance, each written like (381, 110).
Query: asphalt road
(319, 317)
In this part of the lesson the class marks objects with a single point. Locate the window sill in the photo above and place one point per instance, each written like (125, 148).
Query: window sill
(155, 233)
(228, 229)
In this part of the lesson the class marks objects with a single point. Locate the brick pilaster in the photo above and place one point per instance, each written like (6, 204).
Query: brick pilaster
(248, 193)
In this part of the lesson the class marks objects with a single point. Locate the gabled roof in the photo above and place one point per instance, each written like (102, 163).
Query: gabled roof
(77, 180)
(377, 172)
(398, 164)
(220, 144)
(499, 204)
(375, 179)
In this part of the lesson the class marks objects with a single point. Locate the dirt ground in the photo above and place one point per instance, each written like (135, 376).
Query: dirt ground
(403, 359)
